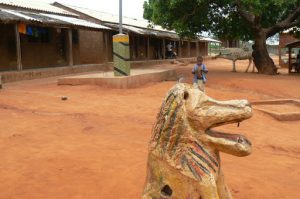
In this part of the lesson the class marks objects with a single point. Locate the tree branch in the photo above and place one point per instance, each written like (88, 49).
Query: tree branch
(292, 20)
(248, 16)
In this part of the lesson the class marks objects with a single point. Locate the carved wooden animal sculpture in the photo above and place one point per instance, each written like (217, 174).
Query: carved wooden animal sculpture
(184, 161)
(235, 54)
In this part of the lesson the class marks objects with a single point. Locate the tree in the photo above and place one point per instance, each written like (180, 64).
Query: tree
(229, 19)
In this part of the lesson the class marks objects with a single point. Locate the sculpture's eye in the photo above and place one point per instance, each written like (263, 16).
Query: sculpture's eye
(166, 191)
(185, 95)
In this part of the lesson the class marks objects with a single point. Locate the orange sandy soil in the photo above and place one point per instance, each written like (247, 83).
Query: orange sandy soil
(94, 145)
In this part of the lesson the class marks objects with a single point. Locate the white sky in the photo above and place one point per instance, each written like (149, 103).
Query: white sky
(131, 8)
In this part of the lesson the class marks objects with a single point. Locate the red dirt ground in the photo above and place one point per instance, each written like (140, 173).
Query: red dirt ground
(94, 145)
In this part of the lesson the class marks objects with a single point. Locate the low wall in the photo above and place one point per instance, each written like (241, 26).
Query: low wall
(137, 78)
(12, 76)
(137, 64)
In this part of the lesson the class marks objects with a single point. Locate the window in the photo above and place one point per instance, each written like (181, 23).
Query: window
(38, 34)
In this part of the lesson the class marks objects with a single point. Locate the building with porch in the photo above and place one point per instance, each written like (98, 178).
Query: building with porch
(147, 41)
(287, 37)
(40, 40)
(40, 35)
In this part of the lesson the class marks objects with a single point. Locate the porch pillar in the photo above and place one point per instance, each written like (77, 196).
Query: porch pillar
(70, 48)
(189, 49)
(148, 47)
(18, 47)
(290, 51)
(135, 48)
(104, 51)
(164, 49)
(179, 49)
(197, 49)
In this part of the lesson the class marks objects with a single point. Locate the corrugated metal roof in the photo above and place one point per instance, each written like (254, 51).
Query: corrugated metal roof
(77, 22)
(209, 39)
(293, 44)
(7, 17)
(43, 18)
(18, 14)
(143, 31)
(36, 5)
(291, 29)
(110, 18)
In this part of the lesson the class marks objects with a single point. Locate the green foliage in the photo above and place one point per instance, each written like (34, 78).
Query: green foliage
(189, 17)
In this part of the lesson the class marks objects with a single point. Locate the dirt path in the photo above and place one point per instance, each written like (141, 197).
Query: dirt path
(94, 145)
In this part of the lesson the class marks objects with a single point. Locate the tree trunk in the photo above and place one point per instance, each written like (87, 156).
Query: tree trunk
(261, 58)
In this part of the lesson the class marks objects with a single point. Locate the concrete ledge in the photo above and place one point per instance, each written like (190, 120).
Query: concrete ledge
(137, 78)
(145, 63)
(279, 101)
(13, 76)
(289, 116)
(28, 74)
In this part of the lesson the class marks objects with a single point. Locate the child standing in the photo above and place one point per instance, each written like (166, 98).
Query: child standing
(199, 72)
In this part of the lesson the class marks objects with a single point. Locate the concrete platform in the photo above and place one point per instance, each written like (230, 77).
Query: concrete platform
(281, 109)
(137, 78)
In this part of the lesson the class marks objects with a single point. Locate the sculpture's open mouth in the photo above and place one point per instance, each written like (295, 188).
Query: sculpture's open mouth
(234, 144)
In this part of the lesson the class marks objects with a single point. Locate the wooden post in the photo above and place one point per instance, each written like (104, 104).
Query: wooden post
(70, 47)
(18, 47)
(290, 68)
(179, 49)
(279, 53)
(148, 47)
(189, 49)
(130, 47)
(164, 49)
(133, 44)
(197, 49)
(104, 51)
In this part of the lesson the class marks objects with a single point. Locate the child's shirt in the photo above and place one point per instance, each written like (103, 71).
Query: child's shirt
(195, 70)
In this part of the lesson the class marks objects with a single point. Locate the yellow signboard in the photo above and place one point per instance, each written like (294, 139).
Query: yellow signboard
(124, 39)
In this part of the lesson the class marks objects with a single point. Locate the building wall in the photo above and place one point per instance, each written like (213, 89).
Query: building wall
(184, 49)
(230, 43)
(138, 46)
(91, 47)
(193, 49)
(75, 46)
(109, 44)
(156, 51)
(285, 38)
(203, 48)
(38, 54)
(8, 60)
(88, 47)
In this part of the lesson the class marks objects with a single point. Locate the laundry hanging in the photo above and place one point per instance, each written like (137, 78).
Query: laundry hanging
(22, 28)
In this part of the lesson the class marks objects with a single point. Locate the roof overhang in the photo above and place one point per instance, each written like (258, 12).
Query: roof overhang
(293, 44)
(15, 16)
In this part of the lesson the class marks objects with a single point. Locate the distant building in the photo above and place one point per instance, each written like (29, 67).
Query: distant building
(39, 35)
(230, 43)
(285, 38)
(147, 41)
